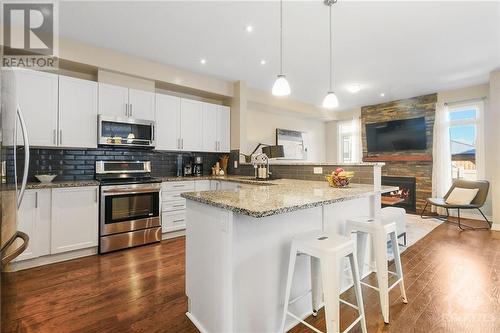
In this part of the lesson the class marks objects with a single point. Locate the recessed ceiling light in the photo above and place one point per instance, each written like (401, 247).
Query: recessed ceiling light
(263, 62)
(203, 61)
(354, 88)
(382, 94)
(249, 28)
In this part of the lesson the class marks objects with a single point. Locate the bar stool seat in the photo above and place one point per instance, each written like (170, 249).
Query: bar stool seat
(379, 231)
(327, 251)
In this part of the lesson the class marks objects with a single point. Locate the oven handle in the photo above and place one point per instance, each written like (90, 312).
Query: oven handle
(135, 191)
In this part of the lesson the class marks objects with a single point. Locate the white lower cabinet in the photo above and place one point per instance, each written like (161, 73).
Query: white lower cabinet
(173, 206)
(202, 185)
(74, 218)
(34, 220)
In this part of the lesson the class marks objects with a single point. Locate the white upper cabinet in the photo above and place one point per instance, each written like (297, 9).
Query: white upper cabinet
(74, 218)
(168, 122)
(224, 129)
(37, 97)
(120, 101)
(77, 113)
(210, 122)
(141, 104)
(191, 125)
(113, 100)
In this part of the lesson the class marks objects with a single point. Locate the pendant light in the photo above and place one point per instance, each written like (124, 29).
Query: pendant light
(330, 101)
(281, 86)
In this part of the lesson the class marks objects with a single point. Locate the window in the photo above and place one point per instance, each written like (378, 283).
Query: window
(345, 130)
(464, 121)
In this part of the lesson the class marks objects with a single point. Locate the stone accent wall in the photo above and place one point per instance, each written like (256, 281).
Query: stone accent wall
(421, 106)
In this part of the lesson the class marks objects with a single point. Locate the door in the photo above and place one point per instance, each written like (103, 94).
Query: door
(168, 122)
(224, 128)
(142, 104)
(27, 222)
(191, 125)
(210, 119)
(113, 100)
(74, 218)
(37, 97)
(77, 113)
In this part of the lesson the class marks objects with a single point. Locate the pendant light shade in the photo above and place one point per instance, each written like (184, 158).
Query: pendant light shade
(281, 86)
(330, 101)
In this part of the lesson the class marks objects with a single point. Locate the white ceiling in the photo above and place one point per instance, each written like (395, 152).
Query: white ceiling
(400, 48)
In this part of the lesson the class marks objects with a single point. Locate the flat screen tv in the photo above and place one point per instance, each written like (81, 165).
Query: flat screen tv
(396, 135)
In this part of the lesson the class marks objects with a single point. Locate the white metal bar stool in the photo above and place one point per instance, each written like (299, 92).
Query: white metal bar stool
(329, 250)
(379, 230)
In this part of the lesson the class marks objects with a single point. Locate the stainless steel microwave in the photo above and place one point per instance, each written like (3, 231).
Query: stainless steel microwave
(120, 131)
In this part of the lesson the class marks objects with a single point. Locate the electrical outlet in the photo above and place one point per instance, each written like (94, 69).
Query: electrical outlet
(235, 164)
(318, 170)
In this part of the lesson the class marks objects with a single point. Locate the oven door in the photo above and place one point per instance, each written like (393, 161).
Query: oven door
(129, 207)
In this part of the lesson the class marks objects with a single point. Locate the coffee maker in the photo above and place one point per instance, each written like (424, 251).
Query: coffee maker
(187, 169)
(198, 166)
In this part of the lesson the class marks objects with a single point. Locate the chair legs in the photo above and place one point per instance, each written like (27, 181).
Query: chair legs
(461, 225)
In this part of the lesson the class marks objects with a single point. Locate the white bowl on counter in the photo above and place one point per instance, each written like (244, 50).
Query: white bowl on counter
(45, 178)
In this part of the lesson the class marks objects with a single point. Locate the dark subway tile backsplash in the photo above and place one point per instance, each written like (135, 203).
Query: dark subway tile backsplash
(79, 164)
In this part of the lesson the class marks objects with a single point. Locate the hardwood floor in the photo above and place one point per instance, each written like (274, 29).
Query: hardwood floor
(452, 283)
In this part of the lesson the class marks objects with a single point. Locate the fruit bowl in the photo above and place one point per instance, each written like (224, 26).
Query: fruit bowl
(45, 178)
(339, 178)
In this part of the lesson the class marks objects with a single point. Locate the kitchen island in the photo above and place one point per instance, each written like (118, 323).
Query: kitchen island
(238, 243)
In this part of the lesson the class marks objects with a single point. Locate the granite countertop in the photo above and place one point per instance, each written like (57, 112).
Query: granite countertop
(59, 184)
(280, 196)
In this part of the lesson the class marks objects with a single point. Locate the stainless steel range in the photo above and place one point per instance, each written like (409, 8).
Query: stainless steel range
(129, 207)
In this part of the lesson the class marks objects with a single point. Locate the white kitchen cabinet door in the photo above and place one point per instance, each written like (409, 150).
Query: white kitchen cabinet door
(77, 113)
(37, 97)
(142, 104)
(74, 218)
(210, 119)
(113, 100)
(191, 125)
(27, 217)
(168, 122)
(34, 219)
(229, 185)
(224, 128)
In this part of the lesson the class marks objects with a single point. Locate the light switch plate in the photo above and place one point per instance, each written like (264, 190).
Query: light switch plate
(235, 164)
(318, 170)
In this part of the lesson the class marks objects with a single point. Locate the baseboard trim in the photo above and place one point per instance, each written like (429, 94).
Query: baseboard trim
(50, 259)
(173, 234)
(196, 323)
(495, 226)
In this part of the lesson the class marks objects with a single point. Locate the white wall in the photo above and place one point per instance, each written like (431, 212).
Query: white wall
(261, 124)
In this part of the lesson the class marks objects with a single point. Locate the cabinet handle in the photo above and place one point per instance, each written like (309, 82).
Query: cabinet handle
(60, 136)
(36, 199)
(175, 221)
(126, 109)
(178, 205)
(54, 136)
(96, 194)
(182, 143)
(131, 112)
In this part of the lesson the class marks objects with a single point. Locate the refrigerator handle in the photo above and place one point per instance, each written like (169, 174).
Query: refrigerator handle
(26, 156)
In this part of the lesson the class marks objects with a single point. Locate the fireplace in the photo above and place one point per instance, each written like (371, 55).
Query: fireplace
(404, 197)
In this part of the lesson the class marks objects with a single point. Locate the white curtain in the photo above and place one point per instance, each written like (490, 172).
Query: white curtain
(357, 150)
(441, 165)
(480, 149)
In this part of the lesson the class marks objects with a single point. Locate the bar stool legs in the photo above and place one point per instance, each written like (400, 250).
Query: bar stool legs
(379, 232)
(327, 253)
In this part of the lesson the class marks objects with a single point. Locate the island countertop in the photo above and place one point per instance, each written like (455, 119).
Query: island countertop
(280, 196)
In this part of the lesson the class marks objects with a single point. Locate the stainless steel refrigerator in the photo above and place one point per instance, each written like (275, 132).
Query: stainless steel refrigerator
(14, 155)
